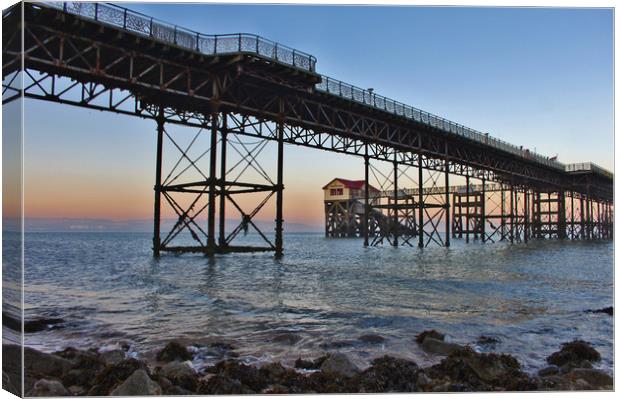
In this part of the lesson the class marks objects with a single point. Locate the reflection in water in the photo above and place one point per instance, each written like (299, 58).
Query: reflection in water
(322, 295)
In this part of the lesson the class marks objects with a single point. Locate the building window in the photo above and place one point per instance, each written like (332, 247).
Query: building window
(335, 191)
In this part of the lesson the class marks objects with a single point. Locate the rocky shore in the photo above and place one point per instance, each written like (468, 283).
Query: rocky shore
(74, 372)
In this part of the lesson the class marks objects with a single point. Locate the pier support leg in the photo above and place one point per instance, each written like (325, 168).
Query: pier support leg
(447, 200)
(420, 203)
(158, 168)
(512, 213)
(224, 133)
(582, 219)
(526, 216)
(395, 220)
(562, 215)
(502, 231)
(280, 191)
(483, 218)
(572, 216)
(468, 209)
(366, 199)
(212, 186)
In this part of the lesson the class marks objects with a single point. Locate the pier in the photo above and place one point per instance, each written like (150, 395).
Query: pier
(244, 92)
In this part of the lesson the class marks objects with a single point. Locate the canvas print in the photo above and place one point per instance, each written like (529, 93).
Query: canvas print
(227, 199)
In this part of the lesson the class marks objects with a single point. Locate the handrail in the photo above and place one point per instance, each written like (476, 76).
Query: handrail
(139, 23)
(588, 167)
(249, 43)
(366, 97)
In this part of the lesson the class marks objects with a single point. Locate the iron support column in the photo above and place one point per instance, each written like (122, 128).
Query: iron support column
(526, 216)
(158, 168)
(395, 220)
(582, 220)
(212, 185)
(224, 132)
(366, 195)
(447, 199)
(572, 215)
(483, 219)
(468, 208)
(512, 213)
(420, 203)
(502, 211)
(280, 189)
(562, 214)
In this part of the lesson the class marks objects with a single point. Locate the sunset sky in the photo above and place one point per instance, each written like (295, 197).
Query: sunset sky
(536, 77)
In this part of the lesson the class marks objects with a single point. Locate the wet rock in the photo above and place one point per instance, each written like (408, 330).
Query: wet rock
(429, 333)
(371, 339)
(222, 385)
(174, 351)
(84, 366)
(596, 379)
(250, 379)
(608, 311)
(487, 340)
(423, 380)
(30, 326)
(39, 364)
(77, 390)
(222, 345)
(287, 339)
(437, 347)
(45, 387)
(276, 389)
(482, 372)
(573, 353)
(338, 363)
(550, 370)
(310, 364)
(181, 374)
(388, 374)
(111, 376)
(113, 357)
(139, 383)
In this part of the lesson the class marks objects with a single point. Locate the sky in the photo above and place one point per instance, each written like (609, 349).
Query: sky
(536, 77)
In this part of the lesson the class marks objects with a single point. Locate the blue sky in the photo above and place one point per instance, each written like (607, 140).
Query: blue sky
(537, 77)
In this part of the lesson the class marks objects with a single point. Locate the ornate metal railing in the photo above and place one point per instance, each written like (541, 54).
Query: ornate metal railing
(248, 43)
(345, 90)
(175, 35)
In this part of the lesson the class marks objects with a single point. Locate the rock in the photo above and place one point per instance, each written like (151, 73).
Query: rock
(338, 363)
(423, 380)
(111, 376)
(481, 372)
(39, 364)
(77, 390)
(174, 351)
(287, 339)
(84, 366)
(437, 347)
(573, 353)
(139, 383)
(547, 371)
(388, 374)
(371, 339)
(113, 357)
(181, 374)
(608, 310)
(429, 333)
(310, 364)
(597, 379)
(45, 387)
(487, 340)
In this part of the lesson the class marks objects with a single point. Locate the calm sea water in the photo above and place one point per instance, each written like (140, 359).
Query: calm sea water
(321, 296)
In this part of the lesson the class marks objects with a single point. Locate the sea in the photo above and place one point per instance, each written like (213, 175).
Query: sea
(321, 296)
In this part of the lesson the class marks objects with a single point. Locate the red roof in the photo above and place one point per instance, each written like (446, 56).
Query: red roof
(351, 184)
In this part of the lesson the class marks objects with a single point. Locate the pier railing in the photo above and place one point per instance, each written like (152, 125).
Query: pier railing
(350, 92)
(136, 22)
(253, 44)
(588, 167)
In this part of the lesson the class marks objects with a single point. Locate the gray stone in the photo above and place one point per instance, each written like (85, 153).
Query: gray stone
(176, 370)
(45, 387)
(338, 363)
(113, 357)
(138, 383)
(43, 364)
(437, 347)
(547, 371)
(596, 378)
